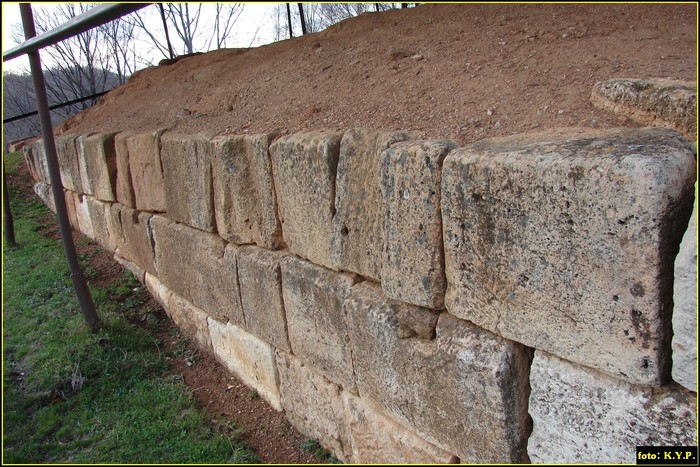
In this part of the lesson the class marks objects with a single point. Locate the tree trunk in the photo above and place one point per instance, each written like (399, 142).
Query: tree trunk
(289, 21)
(301, 17)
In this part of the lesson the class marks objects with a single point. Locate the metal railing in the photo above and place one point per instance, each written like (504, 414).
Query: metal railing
(93, 18)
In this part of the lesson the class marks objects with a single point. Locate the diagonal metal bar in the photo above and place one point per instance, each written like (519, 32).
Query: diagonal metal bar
(84, 298)
(97, 16)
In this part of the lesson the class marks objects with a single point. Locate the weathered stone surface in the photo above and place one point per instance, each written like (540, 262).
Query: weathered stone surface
(584, 416)
(69, 199)
(244, 197)
(136, 240)
(43, 191)
(98, 165)
(82, 214)
(188, 184)
(249, 358)
(36, 161)
(69, 163)
(358, 223)
(378, 439)
(304, 168)
(144, 159)
(685, 292)
(138, 272)
(99, 212)
(466, 391)
(124, 186)
(260, 280)
(313, 405)
(200, 267)
(651, 102)
(192, 321)
(564, 241)
(316, 321)
(413, 260)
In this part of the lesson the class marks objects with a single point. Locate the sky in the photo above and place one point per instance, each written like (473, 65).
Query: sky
(254, 15)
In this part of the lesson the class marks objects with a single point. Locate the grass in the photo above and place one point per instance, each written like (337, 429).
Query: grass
(70, 396)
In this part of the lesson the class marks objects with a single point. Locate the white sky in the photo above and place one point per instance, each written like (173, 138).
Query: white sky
(254, 15)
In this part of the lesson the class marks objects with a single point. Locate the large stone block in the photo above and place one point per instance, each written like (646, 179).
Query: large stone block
(99, 212)
(564, 241)
(685, 292)
(98, 165)
(138, 272)
(43, 191)
(651, 102)
(69, 199)
(200, 267)
(413, 260)
(135, 239)
(69, 163)
(192, 321)
(249, 358)
(82, 214)
(143, 151)
(188, 182)
(260, 281)
(35, 156)
(465, 391)
(304, 167)
(244, 197)
(379, 439)
(581, 415)
(358, 224)
(124, 187)
(313, 405)
(316, 321)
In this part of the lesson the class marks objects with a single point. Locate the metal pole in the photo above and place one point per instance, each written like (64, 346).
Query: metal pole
(289, 21)
(86, 304)
(303, 20)
(8, 221)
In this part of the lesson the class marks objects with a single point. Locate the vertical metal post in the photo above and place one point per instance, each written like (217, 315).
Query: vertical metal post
(8, 221)
(84, 298)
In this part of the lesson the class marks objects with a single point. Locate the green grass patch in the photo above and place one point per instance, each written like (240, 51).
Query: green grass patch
(70, 396)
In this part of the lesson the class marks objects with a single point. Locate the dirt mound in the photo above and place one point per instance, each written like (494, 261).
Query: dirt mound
(465, 72)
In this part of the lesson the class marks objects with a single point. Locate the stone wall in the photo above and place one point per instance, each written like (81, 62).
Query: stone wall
(402, 301)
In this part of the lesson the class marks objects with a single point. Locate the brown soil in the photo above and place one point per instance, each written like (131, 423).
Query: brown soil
(464, 72)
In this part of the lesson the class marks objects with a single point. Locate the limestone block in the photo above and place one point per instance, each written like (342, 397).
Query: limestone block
(313, 405)
(413, 260)
(82, 214)
(304, 168)
(192, 321)
(69, 163)
(359, 219)
(124, 186)
(29, 162)
(98, 165)
(465, 391)
(685, 292)
(187, 177)
(581, 415)
(244, 197)
(249, 358)
(69, 199)
(36, 160)
(136, 240)
(651, 102)
(43, 191)
(99, 212)
(260, 281)
(563, 241)
(198, 266)
(316, 321)
(378, 439)
(114, 225)
(147, 179)
(138, 272)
